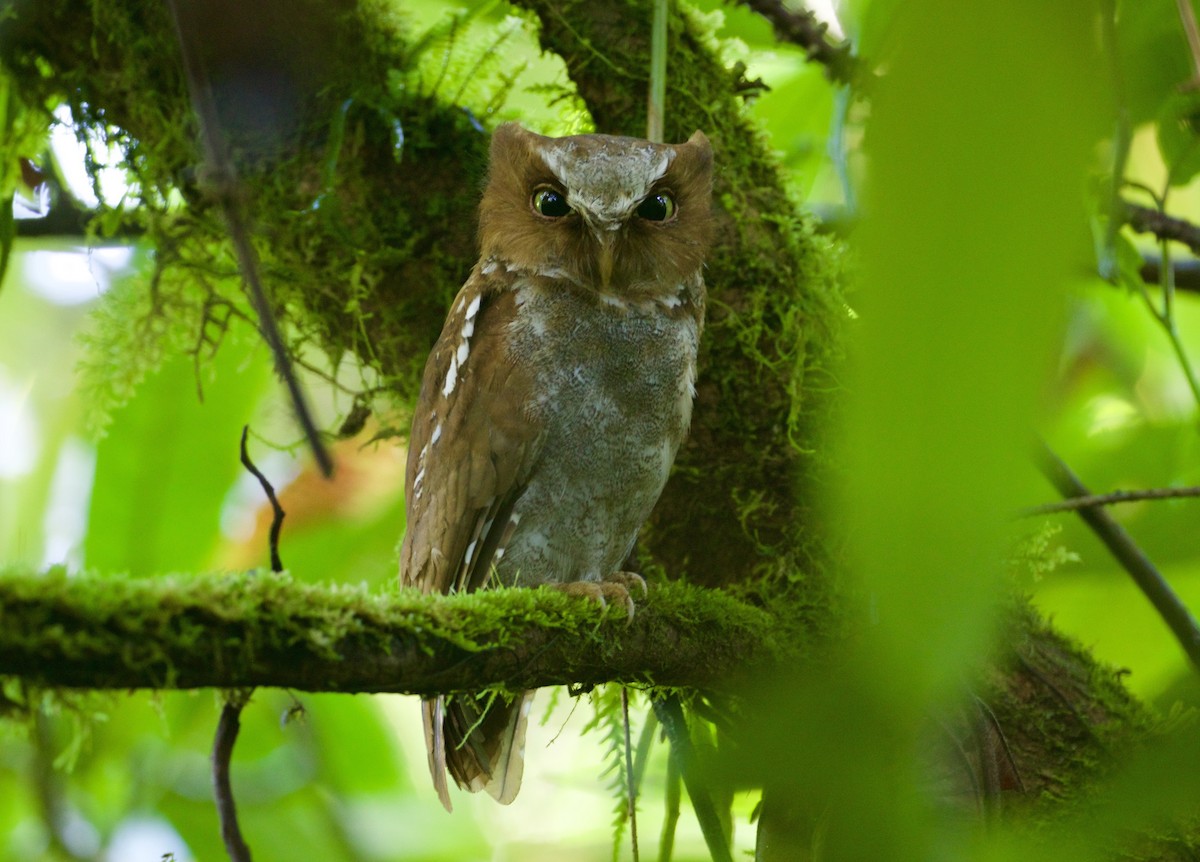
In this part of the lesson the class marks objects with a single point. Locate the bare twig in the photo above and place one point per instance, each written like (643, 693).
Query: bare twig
(630, 777)
(1149, 580)
(656, 97)
(1074, 503)
(803, 29)
(1166, 228)
(276, 509)
(1186, 272)
(1166, 315)
(1149, 220)
(227, 734)
(223, 185)
(1188, 17)
(1122, 138)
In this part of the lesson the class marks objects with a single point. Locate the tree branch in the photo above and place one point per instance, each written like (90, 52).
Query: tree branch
(802, 28)
(1086, 502)
(227, 733)
(249, 630)
(1149, 580)
(1149, 220)
(225, 189)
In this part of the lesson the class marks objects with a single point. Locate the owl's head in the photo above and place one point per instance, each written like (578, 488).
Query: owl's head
(621, 216)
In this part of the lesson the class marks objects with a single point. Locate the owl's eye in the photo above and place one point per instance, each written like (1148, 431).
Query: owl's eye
(548, 202)
(659, 207)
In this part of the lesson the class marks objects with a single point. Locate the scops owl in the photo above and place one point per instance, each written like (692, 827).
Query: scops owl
(556, 396)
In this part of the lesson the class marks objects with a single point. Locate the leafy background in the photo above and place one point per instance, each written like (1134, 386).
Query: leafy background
(159, 489)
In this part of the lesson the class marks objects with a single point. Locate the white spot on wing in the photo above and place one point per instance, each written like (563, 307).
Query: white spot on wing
(470, 554)
(473, 308)
(437, 434)
(451, 377)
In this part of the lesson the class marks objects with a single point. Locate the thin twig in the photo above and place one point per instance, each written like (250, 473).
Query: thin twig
(227, 734)
(670, 714)
(1166, 315)
(1188, 17)
(1111, 498)
(1149, 220)
(276, 509)
(1186, 272)
(803, 29)
(656, 97)
(223, 186)
(990, 717)
(630, 779)
(47, 785)
(1122, 138)
(1062, 698)
(1149, 580)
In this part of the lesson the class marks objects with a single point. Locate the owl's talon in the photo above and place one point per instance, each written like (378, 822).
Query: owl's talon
(629, 580)
(601, 592)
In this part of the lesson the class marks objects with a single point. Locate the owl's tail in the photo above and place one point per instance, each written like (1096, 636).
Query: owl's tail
(481, 744)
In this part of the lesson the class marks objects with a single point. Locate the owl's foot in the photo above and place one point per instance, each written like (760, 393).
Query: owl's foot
(615, 588)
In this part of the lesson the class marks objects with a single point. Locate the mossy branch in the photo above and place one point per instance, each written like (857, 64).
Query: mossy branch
(260, 629)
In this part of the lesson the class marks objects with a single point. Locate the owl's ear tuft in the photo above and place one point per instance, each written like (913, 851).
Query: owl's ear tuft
(698, 151)
(699, 139)
(692, 169)
(506, 137)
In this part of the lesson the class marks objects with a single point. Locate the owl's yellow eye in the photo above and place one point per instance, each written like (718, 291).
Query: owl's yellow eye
(550, 203)
(658, 207)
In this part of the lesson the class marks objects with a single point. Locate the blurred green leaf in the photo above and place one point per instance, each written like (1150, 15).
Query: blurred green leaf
(1153, 56)
(163, 470)
(1178, 141)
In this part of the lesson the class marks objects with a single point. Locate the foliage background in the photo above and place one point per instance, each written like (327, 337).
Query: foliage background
(963, 355)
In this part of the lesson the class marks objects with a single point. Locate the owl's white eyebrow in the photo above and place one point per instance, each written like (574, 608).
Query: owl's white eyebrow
(646, 165)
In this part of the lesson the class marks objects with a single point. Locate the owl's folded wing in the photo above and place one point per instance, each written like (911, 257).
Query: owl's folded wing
(472, 444)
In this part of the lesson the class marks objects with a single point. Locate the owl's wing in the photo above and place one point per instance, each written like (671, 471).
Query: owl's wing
(472, 445)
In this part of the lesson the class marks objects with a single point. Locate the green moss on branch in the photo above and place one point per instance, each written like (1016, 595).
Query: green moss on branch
(232, 631)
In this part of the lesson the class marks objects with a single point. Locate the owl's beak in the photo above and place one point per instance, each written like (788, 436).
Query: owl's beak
(606, 239)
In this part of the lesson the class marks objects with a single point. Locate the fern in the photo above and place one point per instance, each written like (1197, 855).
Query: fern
(608, 719)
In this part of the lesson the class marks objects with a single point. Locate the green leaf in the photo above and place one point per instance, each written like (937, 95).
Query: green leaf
(164, 469)
(1153, 56)
(1179, 136)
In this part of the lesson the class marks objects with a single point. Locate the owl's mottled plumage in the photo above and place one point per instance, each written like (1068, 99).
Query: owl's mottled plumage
(557, 394)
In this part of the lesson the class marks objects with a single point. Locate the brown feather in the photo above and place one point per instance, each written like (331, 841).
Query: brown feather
(474, 470)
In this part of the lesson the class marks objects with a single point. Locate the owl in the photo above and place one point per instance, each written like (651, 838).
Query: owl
(556, 397)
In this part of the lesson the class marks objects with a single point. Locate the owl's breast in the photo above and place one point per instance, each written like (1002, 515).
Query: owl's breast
(613, 392)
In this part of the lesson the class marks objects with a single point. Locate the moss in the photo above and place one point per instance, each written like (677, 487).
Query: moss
(361, 241)
(1064, 715)
(233, 631)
